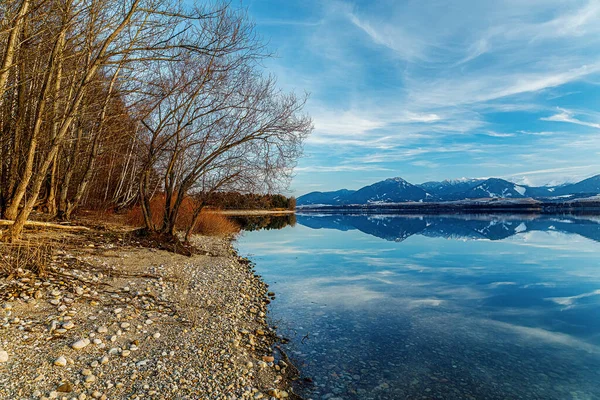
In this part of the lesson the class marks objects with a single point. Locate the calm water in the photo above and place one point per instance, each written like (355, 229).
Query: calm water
(431, 307)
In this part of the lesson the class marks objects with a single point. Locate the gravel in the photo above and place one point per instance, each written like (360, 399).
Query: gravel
(119, 321)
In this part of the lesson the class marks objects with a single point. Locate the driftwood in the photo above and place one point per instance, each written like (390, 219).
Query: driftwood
(7, 222)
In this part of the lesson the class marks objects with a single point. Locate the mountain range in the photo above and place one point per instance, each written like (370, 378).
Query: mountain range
(397, 190)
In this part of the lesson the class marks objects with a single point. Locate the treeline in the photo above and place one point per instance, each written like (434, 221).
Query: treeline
(250, 201)
(107, 103)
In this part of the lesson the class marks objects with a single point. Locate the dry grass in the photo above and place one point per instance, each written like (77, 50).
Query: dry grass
(210, 222)
(18, 257)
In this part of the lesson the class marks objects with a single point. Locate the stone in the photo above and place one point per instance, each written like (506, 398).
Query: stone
(156, 335)
(90, 379)
(60, 361)
(80, 344)
(68, 325)
(102, 329)
(65, 387)
(3, 356)
(125, 325)
(86, 372)
(268, 359)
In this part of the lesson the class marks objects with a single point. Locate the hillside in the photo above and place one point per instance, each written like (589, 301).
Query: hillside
(398, 190)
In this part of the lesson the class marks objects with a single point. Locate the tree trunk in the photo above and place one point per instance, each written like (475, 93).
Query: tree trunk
(13, 208)
(17, 228)
(63, 202)
(11, 46)
(190, 229)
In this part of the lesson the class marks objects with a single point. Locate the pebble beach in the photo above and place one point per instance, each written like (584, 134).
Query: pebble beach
(111, 319)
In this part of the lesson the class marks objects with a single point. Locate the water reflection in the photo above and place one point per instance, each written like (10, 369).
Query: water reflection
(510, 308)
(259, 222)
(460, 226)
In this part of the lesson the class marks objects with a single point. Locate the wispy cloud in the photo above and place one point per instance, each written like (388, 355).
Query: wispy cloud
(341, 168)
(387, 90)
(567, 116)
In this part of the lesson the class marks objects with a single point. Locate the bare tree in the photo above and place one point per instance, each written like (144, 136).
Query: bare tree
(114, 100)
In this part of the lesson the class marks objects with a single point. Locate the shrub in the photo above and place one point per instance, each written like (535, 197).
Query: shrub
(213, 223)
(16, 258)
(210, 222)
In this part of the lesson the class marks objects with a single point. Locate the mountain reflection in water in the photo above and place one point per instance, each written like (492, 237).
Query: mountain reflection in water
(490, 226)
(436, 306)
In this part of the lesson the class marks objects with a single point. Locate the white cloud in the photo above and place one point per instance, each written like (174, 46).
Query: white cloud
(567, 116)
(341, 168)
(498, 134)
(395, 38)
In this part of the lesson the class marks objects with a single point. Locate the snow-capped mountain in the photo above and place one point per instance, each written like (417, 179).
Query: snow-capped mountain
(449, 189)
(328, 198)
(397, 190)
(393, 190)
(589, 185)
(495, 188)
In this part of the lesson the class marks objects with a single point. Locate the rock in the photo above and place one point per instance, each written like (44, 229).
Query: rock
(90, 379)
(102, 329)
(60, 361)
(80, 344)
(156, 335)
(86, 372)
(125, 325)
(104, 360)
(149, 322)
(3, 356)
(68, 325)
(268, 359)
(65, 387)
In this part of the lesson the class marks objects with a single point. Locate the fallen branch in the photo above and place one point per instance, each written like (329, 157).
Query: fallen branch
(7, 222)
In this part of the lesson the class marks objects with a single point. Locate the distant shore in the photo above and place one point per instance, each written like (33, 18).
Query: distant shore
(470, 206)
(256, 212)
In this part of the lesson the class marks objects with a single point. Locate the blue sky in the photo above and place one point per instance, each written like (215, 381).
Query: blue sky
(429, 90)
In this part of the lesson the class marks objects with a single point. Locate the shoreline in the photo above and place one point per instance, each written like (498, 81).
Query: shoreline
(255, 212)
(113, 319)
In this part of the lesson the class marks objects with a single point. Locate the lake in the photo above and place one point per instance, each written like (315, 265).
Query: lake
(436, 307)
